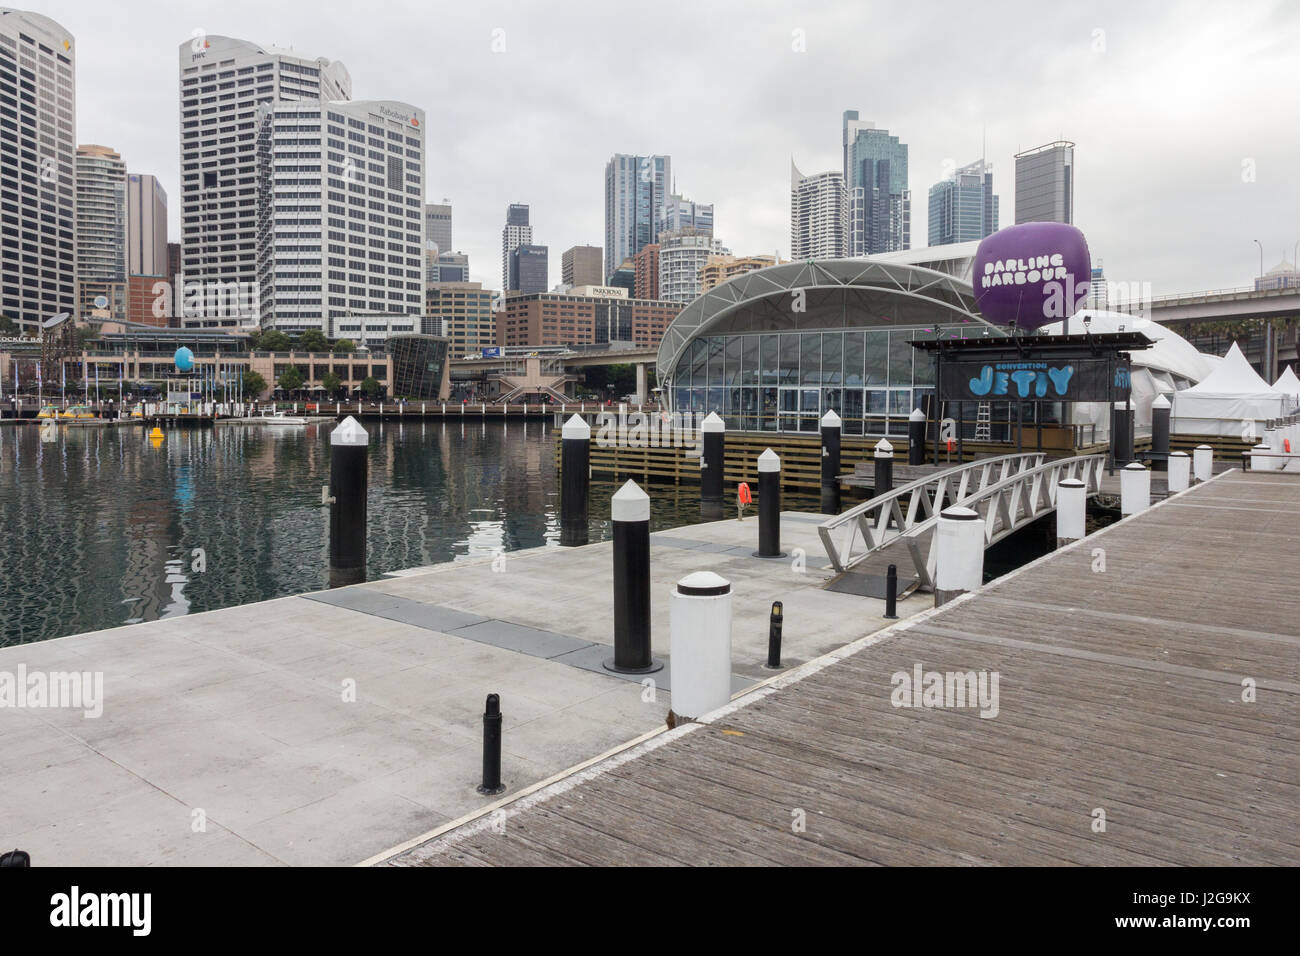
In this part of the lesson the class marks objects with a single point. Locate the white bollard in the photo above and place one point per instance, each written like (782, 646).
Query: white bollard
(699, 617)
(1134, 488)
(1071, 511)
(1180, 467)
(1202, 462)
(959, 548)
(1265, 462)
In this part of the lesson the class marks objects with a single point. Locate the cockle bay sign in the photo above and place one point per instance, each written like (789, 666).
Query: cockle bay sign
(996, 379)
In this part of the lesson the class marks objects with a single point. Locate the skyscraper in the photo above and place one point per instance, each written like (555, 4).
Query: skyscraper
(636, 188)
(682, 256)
(581, 265)
(101, 230)
(340, 235)
(875, 178)
(818, 215)
(1045, 183)
(517, 232)
(529, 267)
(683, 215)
(437, 226)
(963, 207)
(146, 226)
(223, 82)
(37, 169)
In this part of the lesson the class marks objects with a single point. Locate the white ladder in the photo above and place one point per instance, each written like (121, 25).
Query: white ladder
(983, 426)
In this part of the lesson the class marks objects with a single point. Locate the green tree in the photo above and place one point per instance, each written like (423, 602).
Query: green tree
(8, 326)
(275, 341)
(331, 382)
(345, 346)
(371, 387)
(313, 340)
(83, 336)
(255, 340)
(254, 385)
(290, 379)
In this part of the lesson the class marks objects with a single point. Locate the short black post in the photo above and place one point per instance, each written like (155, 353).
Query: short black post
(492, 720)
(1160, 410)
(891, 593)
(830, 428)
(769, 506)
(916, 437)
(575, 480)
(15, 858)
(774, 623)
(713, 432)
(349, 456)
(630, 513)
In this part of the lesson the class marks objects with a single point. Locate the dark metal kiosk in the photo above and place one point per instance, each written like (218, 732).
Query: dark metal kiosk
(1019, 368)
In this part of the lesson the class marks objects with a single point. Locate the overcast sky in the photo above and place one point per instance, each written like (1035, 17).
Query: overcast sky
(1188, 147)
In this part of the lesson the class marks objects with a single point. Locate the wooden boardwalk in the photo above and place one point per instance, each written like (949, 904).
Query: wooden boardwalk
(1120, 691)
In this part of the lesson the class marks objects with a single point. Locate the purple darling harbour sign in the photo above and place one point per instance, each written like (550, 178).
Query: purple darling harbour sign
(1032, 275)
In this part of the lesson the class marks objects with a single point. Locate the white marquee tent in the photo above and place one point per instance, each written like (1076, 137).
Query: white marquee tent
(1288, 383)
(1225, 399)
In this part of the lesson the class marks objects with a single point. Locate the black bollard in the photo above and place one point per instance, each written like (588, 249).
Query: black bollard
(630, 513)
(492, 721)
(830, 427)
(1122, 439)
(916, 437)
(713, 433)
(774, 623)
(1160, 410)
(575, 477)
(769, 506)
(891, 593)
(349, 450)
(882, 480)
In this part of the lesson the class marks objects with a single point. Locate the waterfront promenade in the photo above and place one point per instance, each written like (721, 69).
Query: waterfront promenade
(327, 728)
(1148, 714)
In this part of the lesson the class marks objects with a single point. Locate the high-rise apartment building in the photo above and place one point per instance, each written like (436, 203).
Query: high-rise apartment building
(517, 232)
(818, 215)
(464, 313)
(223, 83)
(683, 215)
(963, 207)
(681, 261)
(101, 231)
(38, 201)
(437, 226)
(529, 266)
(645, 272)
(875, 181)
(718, 269)
(1045, 183)
(636, 188)
(146, 226)
(581, 265)
(341, 217)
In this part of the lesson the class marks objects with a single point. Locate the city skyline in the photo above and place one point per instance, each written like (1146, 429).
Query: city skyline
(1084, 70)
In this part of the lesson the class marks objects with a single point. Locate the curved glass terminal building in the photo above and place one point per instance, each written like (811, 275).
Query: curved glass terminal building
(774, 349)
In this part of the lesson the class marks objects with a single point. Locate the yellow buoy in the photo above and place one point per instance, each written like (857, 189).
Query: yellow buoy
(156, 434)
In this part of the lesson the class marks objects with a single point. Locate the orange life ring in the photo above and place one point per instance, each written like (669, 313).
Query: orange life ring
(743, 493)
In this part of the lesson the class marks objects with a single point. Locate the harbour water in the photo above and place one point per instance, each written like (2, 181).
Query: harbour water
(98, 528)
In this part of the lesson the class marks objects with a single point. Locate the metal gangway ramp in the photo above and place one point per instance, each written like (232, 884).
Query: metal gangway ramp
(1008, 492)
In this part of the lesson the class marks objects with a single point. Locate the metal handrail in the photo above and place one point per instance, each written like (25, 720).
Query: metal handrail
(1009, 505)
(890, 523)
